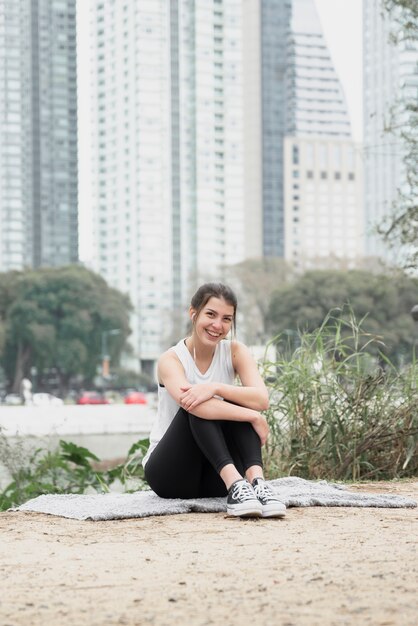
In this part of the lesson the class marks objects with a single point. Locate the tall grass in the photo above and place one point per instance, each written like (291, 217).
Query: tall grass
(334, 413)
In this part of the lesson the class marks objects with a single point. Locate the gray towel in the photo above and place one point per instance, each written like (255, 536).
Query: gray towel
(292, 491)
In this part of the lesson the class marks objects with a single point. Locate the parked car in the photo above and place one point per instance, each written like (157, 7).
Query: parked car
(12, 398)
(92, 397)
(135, 397)
(46, 399)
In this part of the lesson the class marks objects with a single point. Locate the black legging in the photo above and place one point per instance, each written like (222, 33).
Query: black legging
(187, 460)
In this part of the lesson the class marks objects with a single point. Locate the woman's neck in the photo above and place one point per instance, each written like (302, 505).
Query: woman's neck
(201, 355)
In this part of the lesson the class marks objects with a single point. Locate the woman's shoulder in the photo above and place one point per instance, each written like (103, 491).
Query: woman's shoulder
(173, 354)
(166, 356)
(169, 354)
(165, 363)
(239, 350)
(238, 346)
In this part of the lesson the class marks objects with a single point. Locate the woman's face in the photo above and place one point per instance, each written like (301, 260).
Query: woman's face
(214, 321)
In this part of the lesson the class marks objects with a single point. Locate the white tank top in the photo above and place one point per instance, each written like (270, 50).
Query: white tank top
(220, 370)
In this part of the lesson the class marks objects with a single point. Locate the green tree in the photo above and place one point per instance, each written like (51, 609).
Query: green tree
(8, 283)
(385, 301)
(402, 225)
(54, 319)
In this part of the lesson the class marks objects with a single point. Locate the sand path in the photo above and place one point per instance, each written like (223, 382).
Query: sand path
(318, 566)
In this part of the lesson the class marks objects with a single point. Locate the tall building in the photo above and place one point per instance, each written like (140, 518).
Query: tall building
(323, 202)
(300, 95)
(131, 160)
(192, 102)
(390, 76)
(38, 133)
(274, 31)
(167, 154)
(315, 102)
(322, 165)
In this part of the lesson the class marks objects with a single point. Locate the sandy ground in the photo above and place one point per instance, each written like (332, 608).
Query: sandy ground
(317, 566)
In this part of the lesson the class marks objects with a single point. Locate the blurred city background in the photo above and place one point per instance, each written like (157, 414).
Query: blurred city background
(149, 145)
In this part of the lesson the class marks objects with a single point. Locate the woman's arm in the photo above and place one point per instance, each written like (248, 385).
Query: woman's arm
(252, 394)
(171, 375)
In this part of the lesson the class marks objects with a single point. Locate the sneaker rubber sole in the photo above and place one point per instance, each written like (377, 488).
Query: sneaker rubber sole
(273, 510)
(245, 509)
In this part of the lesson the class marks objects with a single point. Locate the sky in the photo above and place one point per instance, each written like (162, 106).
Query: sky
(342, 26)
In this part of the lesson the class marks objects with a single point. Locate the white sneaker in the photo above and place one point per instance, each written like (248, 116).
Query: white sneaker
(271, 505)
(242, 501)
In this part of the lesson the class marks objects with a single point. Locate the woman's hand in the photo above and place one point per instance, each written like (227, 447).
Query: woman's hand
(193, 395)
(261, 427)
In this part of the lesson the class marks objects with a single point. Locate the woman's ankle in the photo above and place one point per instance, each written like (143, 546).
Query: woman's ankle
(229, 475)
(255, 471)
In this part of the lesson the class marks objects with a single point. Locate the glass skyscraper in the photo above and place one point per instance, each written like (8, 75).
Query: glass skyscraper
(301, 95)
(38, 133)
(322, 165)
(315, 102)
(274, 31)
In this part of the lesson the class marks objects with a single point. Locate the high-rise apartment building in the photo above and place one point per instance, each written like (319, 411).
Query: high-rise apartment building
(192, 102)
(38, 133)
(131, 152)
(167, 153)
(390, 76)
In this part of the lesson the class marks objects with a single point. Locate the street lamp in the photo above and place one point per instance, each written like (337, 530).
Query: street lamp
(105, 355)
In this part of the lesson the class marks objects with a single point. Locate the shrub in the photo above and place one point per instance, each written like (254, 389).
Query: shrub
(335, 413)
(69, 469)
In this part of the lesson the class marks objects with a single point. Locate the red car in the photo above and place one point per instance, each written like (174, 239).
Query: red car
(135, 397)
(92, 397)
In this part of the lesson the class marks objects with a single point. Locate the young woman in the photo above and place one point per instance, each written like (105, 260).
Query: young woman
(208, 434)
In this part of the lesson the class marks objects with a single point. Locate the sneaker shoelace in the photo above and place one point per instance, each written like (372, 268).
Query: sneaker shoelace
(242, 491)
(263, 491)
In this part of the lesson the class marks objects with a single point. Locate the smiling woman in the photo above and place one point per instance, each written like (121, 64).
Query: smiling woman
(208, 434)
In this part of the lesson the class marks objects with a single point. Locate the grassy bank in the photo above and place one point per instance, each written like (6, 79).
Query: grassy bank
(335, 413)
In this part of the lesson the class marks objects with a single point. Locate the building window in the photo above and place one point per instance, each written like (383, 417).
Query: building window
(295, 155)
(323, 156)
(351, 176)
(337, 175)
(324, 175)
(309, 154)
(309, 174)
